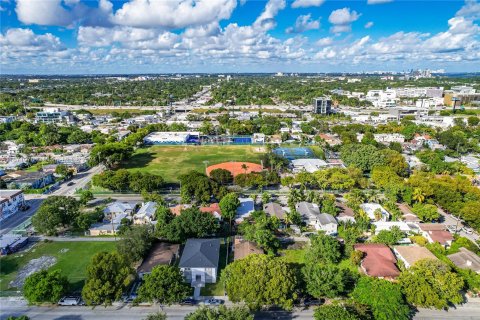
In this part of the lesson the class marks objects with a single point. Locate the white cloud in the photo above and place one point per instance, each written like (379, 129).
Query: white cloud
(342, 20)
(324, 42)
(307, 3)
(25, 40)
(40, 12)
(378, 1)
(266, 19)
(173, 14)
(368, 25)
(304, 23)
(471, 9)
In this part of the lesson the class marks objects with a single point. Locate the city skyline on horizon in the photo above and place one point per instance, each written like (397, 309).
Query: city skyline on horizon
(54, 37)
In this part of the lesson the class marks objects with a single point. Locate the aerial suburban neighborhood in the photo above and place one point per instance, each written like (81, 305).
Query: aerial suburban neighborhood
(339, 194)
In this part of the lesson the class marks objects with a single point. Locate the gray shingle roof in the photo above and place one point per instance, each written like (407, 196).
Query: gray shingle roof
(200, 253)
(326, 218)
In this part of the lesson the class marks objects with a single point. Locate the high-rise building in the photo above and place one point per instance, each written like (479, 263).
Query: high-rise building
(322, 105)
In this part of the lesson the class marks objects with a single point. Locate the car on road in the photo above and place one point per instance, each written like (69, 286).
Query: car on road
(188, 302)
(452, 228)
(71, 301)
(468, 230)
(308, 302)
(71, 183)
(213, 302)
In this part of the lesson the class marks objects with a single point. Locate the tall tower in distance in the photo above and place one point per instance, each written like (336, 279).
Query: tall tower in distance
(322, 105)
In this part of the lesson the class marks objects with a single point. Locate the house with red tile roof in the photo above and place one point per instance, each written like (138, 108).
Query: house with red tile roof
(436, 232)
(379, 261)
(213, 209)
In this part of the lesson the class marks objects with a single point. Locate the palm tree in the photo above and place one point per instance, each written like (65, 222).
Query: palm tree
(418, 195)
(244, 167)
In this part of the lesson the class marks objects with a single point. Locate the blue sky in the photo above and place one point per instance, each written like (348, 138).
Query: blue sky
(138, 36)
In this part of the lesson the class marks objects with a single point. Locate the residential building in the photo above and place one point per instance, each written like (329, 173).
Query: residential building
(388, 225)
(372, 208)
(246, 207)
(466, 259)
(28, 180)
(322, 105)
(54, 115)
(387, 138)
(346, 214)
(258, 138)
(199, 261)
(177, 210)
(213, 209)
(11, 201)
(436, 232)
(308, 165)
(274, 209)
(10, 243)
(146, 213)
(161, 253)
(308, 211)
(407, 214)
(330, 139)
(326, 223)
(243, 248)
(409, 255)
(117, 208)
(378, 261)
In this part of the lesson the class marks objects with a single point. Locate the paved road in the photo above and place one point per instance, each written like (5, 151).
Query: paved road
(469, 311)
(449, 220)
(20, 217)
(79, 181)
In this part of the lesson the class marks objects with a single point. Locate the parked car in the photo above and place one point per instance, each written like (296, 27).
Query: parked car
(452, 228)
(71, 183)
(70, 301)
(188, 302)
(313, 302)
(468, 230)
(213, 302)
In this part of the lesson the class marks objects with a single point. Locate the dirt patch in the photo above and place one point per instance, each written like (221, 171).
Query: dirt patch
(33, 266)
(236, 168)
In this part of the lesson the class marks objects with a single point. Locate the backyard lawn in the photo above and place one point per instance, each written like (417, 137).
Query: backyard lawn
(72, 259)
(216, 289)
(172, 161)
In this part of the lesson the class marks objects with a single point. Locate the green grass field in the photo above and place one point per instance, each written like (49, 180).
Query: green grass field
(72, 260)
(172, 161)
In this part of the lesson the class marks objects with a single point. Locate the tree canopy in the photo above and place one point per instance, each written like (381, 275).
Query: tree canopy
(55, 212)
(222, 312)
(45, 286)
(165, 284)
(323, 249)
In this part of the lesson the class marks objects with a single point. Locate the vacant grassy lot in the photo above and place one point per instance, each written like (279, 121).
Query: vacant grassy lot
(172, 161)
(72, 260)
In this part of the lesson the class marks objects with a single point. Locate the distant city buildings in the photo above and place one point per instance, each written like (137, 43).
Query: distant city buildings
(322, 105)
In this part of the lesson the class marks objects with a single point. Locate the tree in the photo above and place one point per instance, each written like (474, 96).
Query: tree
(165, 285)
(426, 212)
(221, 176)
(260, 280)
(55, 211)
(200, 188)
(323, 249)
(334, 312)
(156, 316)
(431, 283)
(108, 275)
(44, 286)
(384, 298)
(64, 171)
(325, 280)
(18, 318)
(261, 231)
(389, 237)
(86, 196)
(110, 154)
(220, 313)
(266, 197)
(135, 242)
(245, 167)
(228, 205)
(473, 121)
(362, 156)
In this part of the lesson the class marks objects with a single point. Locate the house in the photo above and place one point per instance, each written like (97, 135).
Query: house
(117, 208)
(258, 138)
(466, 259)
(326, 223)
(146, 213)
(103, 229)
(162, 253)
(243, 248)
(346, 214)
(273, 209)
(213, 209)
(28, 180)
(308, 165)
(308, 211)
(388, 225)
(436, 232)
(10, 243)
(407, 214)
(330, 139)
(244, 210)
(379, 261)
(199, 261)
(409, 255)
(10, 202)
(177, 210)
(371, 208)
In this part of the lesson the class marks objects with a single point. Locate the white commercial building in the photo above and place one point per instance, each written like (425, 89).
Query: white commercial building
(418, 92)
(387, 138)
(171, 137)
(308, 165)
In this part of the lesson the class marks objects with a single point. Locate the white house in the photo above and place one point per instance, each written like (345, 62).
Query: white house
(371, 208)
(308, 165)
(388, 225)
(10, 202)
(327, 223)
(199, 261)
(116, 208)
(146, 213)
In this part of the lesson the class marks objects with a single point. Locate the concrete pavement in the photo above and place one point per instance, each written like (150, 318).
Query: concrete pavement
(12, 222)
(449, 220)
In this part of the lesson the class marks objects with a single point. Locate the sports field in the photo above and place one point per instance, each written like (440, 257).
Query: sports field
(72, 260)
(172, 161)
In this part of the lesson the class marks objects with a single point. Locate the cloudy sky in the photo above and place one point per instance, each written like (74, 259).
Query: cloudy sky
(157, 36)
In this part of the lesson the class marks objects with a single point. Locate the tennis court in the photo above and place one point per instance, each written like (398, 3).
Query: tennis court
(295, 153)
